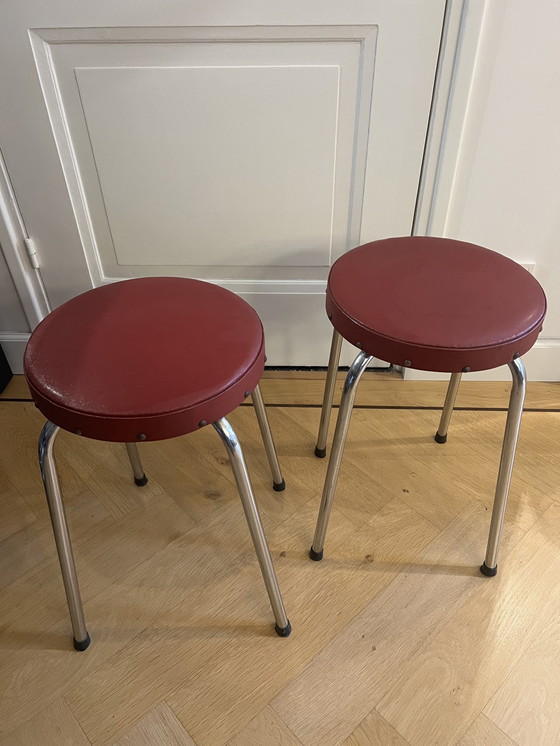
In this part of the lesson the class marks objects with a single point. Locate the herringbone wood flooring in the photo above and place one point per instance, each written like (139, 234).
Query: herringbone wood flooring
(397, 637)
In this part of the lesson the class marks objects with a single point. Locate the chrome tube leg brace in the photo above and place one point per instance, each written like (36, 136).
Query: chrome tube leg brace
(447, 411)
(515, 410)
(229, 438)
(342, 424)
(330, 383)
(278, 482)
(140, 477)
(61, 534)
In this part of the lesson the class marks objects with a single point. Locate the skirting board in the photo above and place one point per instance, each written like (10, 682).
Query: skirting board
(542, 362)
(13, 345)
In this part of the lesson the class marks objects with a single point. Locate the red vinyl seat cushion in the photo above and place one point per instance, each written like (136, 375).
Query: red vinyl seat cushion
(145, 359)
(435, 304)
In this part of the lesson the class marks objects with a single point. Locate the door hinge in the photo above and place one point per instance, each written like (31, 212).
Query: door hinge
(31, 248)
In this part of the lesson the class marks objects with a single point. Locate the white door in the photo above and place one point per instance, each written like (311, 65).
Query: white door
(248, 143)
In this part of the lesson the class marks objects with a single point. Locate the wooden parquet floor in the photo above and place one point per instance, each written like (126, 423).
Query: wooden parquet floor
(397, 638)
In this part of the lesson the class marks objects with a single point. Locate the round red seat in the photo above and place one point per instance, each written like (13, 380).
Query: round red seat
(145, 359)
(435, 304)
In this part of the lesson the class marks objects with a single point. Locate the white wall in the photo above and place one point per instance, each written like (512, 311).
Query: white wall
(12, 316)
(506, 187)
(13, 322)
(507, 190)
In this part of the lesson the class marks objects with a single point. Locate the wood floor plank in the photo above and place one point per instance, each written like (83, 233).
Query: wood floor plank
(537, 462)
(17, 388)
(376, 389)
(186, 475)
(178, 613)
(109, 552)
(382, 389)
(472, 455)
(186, 599)
(55, 725)
(265, 728)
(15, 514)
(360, 491)
(38, 661)
(21, 425)
(483, 732)
(355, 669)
(527, 705)
(196, 657)
(366, 561)
(33, 545)
(105, 468)
(159, 727)
(375, 731)
(439, 692)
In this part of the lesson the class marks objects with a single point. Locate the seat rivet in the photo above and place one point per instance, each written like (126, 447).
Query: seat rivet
(141, 436)
(265, 358)
(78, 432)
(247, 394)
(202, 423)
(466, 369)
(517, 354)
(359, 344)
(407, 363)
(329, 316)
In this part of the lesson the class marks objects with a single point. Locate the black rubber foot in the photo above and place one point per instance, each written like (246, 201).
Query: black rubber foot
(141, 482)
(283, 631)
(317, 556)
(488, 571)
(440, 438)
(83, 645)
(279, 486)
(320, 452)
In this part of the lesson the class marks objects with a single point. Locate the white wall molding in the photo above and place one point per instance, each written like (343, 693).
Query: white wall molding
(459, 96)
(90, 206)
(12, 242)
(13, 344)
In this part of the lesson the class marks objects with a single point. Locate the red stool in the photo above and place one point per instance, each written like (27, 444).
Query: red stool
(432, 304)
(142, 360)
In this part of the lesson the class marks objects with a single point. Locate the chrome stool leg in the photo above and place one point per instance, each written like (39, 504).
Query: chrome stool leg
(342, 424)
(330, 383)
(278, 482)
(229, 438)
(447, 411)
(140, 477)
(515, 410)
(61, 534)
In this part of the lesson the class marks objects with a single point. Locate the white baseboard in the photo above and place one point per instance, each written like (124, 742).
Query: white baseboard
(13, 344)
(542, 364)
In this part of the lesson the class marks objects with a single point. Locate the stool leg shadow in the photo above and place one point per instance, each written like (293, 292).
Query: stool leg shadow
(61, 534)
(328, 396)
(140, 478)
(229, 439)
(447, 411)
(342, 424)
(278, 482)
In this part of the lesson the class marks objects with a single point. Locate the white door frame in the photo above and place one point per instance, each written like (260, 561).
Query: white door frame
(439, 183)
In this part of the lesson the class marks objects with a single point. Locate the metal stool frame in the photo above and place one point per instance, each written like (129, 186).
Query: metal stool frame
(513, 422)
(231, 443)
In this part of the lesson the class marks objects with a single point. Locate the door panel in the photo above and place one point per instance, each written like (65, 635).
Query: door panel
(176, 141)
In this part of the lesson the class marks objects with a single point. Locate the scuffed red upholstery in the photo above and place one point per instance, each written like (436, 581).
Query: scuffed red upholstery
(149, 357)
(435, 304)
